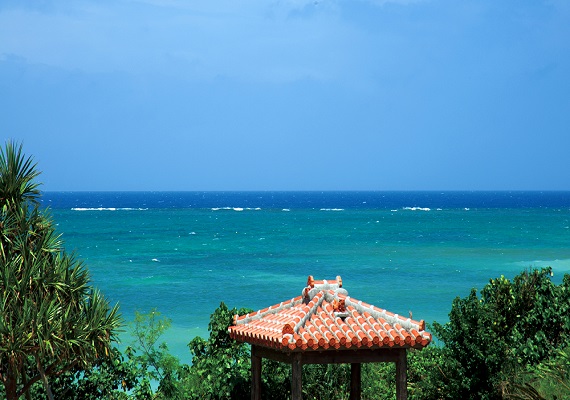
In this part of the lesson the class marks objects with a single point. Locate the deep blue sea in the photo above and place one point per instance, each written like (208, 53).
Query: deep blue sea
(185, 252)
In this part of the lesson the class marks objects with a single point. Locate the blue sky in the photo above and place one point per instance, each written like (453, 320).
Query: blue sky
(289, 94)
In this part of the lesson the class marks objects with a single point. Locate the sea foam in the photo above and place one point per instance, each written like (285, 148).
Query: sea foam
(417, 208)
(236, 208)
(108, 209)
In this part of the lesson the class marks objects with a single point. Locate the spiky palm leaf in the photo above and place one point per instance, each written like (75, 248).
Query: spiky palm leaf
(50, 317)
(17, 174)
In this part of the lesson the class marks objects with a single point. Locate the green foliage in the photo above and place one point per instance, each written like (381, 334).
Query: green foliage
(109, 378)
(488, 340)
(17, 178)
(429, 374)
(275, 380)
(153, 361)
(550, 380)
(51, 320)
(554, 375)
(153, 358)
(326, 381)
(220, 366)
(145, 369)
(482, 356)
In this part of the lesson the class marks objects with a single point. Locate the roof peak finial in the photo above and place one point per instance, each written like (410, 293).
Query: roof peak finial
(313, 287)
(311, 281)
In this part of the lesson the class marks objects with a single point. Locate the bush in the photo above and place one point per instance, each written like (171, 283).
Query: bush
(489, 340)
(220, 366)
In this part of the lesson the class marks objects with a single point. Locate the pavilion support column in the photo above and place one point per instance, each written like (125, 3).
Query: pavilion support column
(402, 375)
(355, 381)
(297, 378)
(255, 375)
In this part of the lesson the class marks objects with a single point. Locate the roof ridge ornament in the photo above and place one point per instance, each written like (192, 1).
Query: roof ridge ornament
(314, 287)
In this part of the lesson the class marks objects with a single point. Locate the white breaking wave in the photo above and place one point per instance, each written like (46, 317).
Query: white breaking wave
(236, 208)
(417, 208)
(108, 209)
(332, 209)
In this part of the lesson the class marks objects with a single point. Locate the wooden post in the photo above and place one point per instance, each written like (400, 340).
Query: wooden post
(355, 381)
(297, 378)
(255, 375)
(401, 376)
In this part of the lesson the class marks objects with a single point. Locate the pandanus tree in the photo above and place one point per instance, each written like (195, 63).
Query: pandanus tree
(51, 318)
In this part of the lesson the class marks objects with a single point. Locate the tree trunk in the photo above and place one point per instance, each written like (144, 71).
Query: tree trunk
(25, 383)
(10, 388)
(10, 381)
(44, 378)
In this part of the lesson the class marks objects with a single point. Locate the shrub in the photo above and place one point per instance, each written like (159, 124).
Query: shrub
(489, 340)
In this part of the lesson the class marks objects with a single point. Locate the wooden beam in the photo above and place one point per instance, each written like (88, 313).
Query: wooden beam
(355, 381)
(401, 376)
(255, 376)
(350, 356)
(272, 354)
(297, 378)
(359, 356)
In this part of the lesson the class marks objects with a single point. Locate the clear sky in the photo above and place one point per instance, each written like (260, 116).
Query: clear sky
(289, 94)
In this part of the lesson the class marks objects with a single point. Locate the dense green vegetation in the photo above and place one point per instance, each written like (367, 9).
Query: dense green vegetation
(51, 320)
(510, 341)
(514, 325)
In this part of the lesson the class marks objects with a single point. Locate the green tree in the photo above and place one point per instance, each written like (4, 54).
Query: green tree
(152, 359)
(514, 324)
(51, 319)
(220, 365)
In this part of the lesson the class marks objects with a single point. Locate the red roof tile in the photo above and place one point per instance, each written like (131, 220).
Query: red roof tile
(324, 317)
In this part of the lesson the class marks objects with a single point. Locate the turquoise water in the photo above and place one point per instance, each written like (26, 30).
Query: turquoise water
(184, 253)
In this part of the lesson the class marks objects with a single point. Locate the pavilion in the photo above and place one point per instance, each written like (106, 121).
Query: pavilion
(324, 326)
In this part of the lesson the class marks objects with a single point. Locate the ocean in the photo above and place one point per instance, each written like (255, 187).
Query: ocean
(185, 252)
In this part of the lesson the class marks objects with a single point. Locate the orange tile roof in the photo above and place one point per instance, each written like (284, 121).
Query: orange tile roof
(325, 317)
